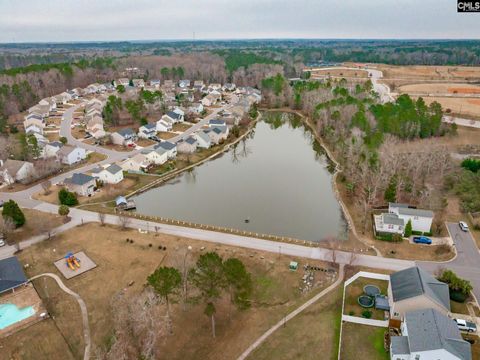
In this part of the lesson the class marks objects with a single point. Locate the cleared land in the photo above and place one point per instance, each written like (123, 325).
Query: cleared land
(441, 88)
(364, 341)
(460, 106)
(120, 263)
(430, 72)
(347, 73)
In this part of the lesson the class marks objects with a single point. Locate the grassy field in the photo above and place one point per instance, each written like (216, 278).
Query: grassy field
(355, 289)
(37, 223)
(121, 263)
(300, 339)
(363, 342)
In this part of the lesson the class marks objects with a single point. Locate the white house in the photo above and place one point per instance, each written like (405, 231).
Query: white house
(203, 140)
(429, 335)
(147, 131)
(389, 223)
(138, 162)
(157, 156)
(184, 84)
(52, 148)
(124, 137)
(164, 125)
(155, 83)
(229, 87)
(81, 184)
(138, 83)
(70, 155)
(174, 117)
(33, 129)
(111, 174)
(421, 219)
(121, 81)
(211, 99)
(16, 170)
(187, 146)
(196, 108)
(169, 147)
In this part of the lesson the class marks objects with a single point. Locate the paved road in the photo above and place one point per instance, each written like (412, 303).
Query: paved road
(467, 262)
(83, 309)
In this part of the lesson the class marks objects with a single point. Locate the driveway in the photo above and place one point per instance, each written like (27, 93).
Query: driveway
(467, 262)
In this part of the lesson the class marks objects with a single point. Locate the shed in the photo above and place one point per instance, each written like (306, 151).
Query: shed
(121, 200)
(293, 265)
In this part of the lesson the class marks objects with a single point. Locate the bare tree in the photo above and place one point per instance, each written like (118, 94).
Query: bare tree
(123, 221)
(8, 227)
(101, 218)
(46, 185)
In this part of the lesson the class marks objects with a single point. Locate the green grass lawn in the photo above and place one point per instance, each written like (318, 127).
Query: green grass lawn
(363, 342)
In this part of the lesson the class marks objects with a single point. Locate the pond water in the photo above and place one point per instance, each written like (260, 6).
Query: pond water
(277, 181)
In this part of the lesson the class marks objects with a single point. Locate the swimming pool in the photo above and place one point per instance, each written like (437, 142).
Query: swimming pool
(11, 314)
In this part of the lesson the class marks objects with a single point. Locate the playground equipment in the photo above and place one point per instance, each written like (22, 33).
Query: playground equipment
(72, 262)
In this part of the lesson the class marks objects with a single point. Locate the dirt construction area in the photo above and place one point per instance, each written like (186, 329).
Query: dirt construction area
(122, 267)
(440, 88)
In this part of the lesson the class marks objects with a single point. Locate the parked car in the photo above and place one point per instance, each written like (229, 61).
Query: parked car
(464, 325)
(155, 138)
(2, 242)
(422, 240)
(463, 225)
(87, 136)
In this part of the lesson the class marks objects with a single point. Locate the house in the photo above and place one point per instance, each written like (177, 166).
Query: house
(16, 170)
(33, 129)
(50, 102)
(138, 162)
(81, 184)
(421, 219)
(147, 131)
(221, 130)
(98, 132)
(40, 110)
(121, 81)
(198, 85)
(73, 94)
(11, 274)
(157, 156)
(169, 147)
(169, 84)
(111, 174)
(427, 334)
(216, 122)
(184, 84)
(138, 83)
(163, 125)
(124, 137)
(388, 224)
(211, 99)
(187, 146)
(196, 108)
(174, 117)
(412, 289)
(155, 83)
(214, 87)
(229, 87)
(203, 140)
(70, 155)
(179, 111)
(52, 148)
(34, 119)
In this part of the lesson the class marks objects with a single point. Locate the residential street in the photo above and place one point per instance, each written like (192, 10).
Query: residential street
(467, 262)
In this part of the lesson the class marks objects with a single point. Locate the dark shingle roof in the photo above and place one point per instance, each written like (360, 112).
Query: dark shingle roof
(149, 126)
(113, 169)
(216, 122)
(414, 281)
(174, 115)
(428, 329)
(125, 132)
(190, 140)
(79, 179)
(11, 274)
(167, 145)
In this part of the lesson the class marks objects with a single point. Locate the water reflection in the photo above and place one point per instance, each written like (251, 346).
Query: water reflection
(272, 178)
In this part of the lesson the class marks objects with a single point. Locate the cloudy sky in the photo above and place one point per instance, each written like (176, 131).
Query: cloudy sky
(87, 20)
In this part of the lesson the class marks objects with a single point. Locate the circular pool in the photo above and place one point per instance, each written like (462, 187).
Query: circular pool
(365, 301)
(371, 290)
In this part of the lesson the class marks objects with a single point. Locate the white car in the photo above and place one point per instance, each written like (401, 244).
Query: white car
(463, 225)
(2, 242)
(464, 325)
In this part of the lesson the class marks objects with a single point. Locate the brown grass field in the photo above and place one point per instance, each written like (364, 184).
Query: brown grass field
(120, 263)
(459, 106)
(440, 88)
(347, 73)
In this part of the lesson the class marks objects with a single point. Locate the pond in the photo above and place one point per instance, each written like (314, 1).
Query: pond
(276, 181)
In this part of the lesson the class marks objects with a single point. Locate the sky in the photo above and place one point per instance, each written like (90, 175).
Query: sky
(107, 20)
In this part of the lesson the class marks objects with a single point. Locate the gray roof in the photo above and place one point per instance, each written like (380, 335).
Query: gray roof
(203, 135)
(174, 115)
(399, 205)
(11, 274)
(400, 345)
(217, 122)
(79, 179)
(392, 219)
(125, 132)
(416, 212)
(428, 329)
(414, 281)
(150, 126)
(190, 140)
(113, 169)
(56, 144)
(217, 130)
(13, 166)
(167, 145)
